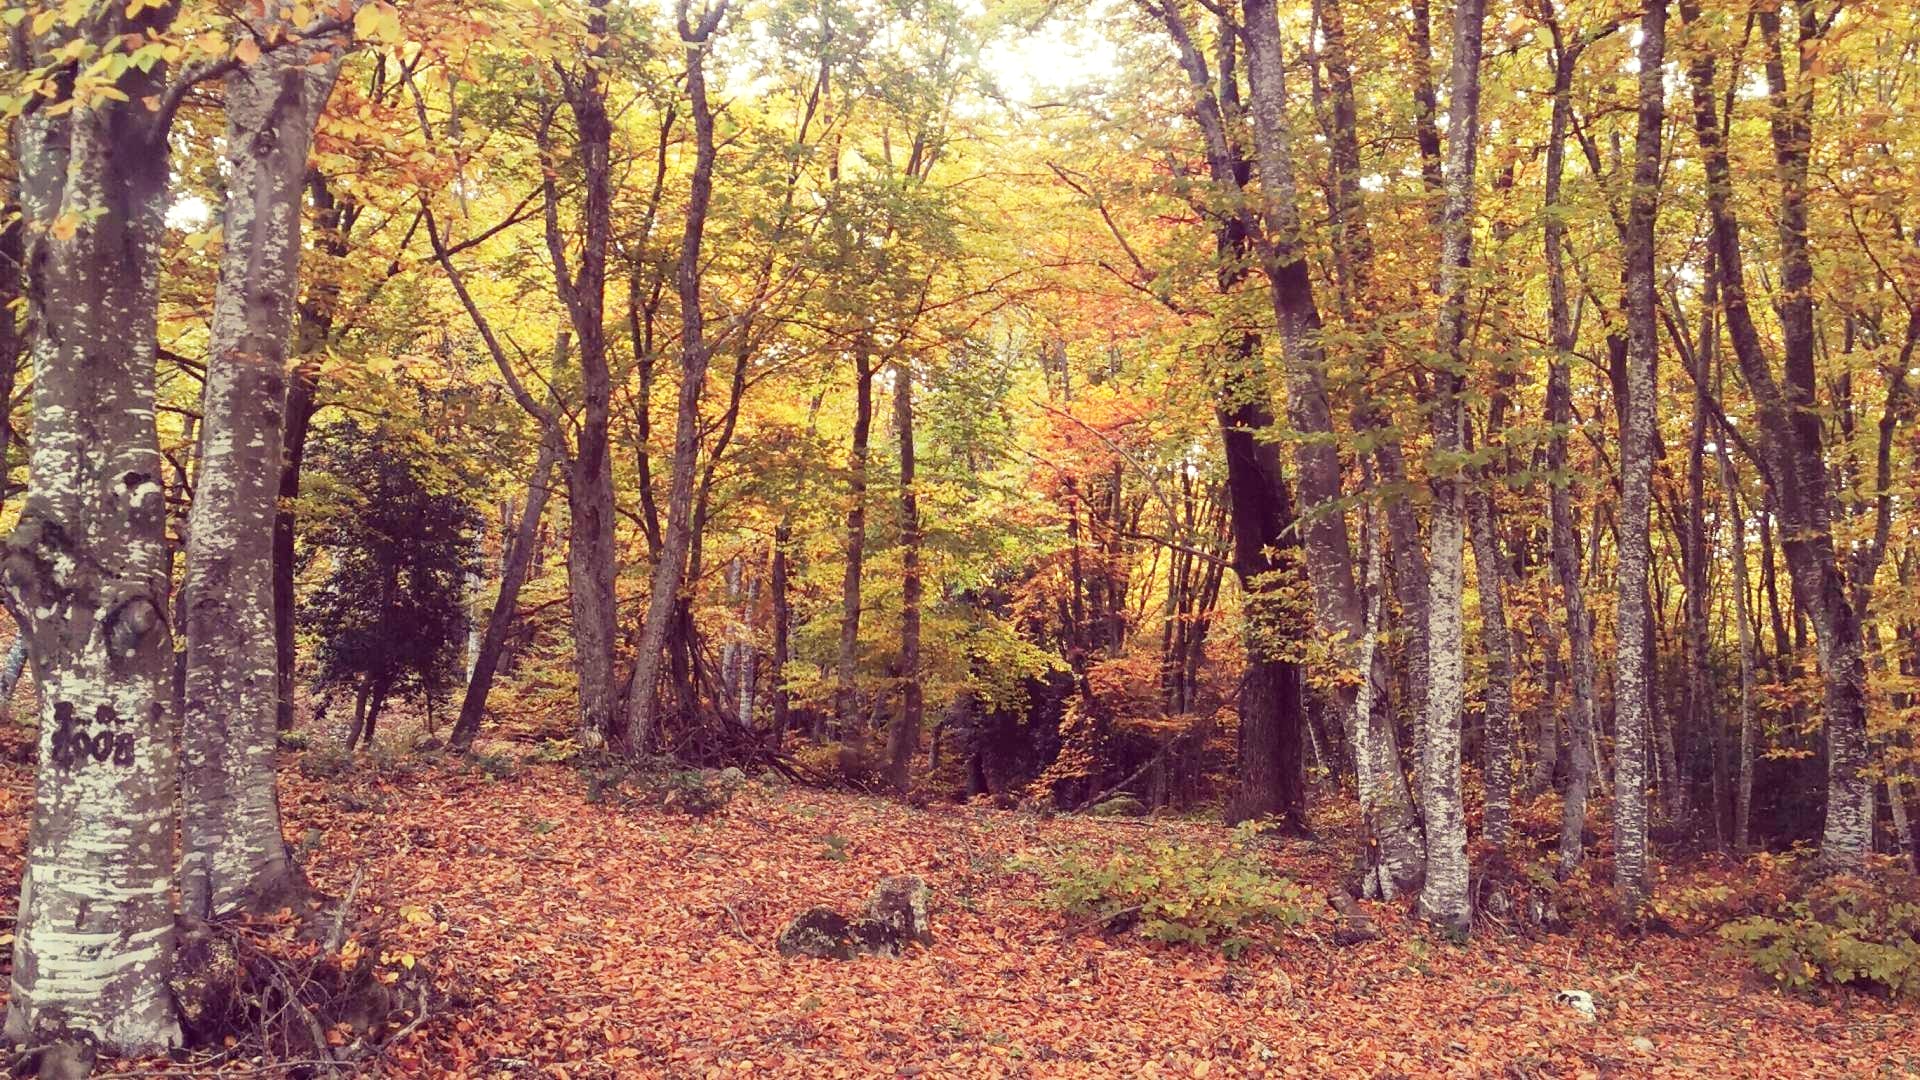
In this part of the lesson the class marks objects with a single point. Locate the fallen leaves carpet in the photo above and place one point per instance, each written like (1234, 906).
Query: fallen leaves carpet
(579, 940)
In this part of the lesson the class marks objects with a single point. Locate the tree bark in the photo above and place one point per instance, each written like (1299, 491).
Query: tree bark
(904, 738)
(1634, 668)
(670, 569)
(232, 851)
(1789, 421)
(513, 574)
(1339, 613)
(314, 316)
(1565, 541)
(846, 692)
(1444, 899)
(782, 627)
(1490, 574)
(1749, 734)
(590, 538)
(85, 570)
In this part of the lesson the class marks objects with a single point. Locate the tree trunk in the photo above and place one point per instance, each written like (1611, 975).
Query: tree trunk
(670, 569)
(1635, 659)
(1701, 714)
(13, 342)
(513, 574)
(846, 693)
(782, 628)
(314, 331)
(1566, 543)
(232, 852)
(905, 736)
(1489, 568)
(85, 568)
(1338, 611)
(1789, 421)
(1749, 734)
(302, 387)
(1444, 899)
(1260, 515)
(591, 553)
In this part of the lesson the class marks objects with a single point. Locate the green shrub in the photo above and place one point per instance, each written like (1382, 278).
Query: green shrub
(663, 783)
(1178, 893)
(1855, 929)
(497, 766)
(326, 762)
(554, 752)
(294, 740)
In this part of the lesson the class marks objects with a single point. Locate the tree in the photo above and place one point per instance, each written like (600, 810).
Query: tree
(232, 851)
(85, 570)
(389, 615)
(670, 566)
(1631, 875)
(1444, 897)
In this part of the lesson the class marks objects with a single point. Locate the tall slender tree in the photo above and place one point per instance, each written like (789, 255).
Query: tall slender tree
(1444, 899)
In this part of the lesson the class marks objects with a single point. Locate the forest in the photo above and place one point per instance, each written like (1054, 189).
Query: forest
(1342, 538)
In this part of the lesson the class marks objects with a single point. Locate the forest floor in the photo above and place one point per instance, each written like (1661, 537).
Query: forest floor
(582, 940)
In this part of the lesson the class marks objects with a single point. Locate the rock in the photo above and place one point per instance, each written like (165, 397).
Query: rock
(819, 932)
(873, 937)
(1355, 927)
(896, 914)
(900, 904)
(1579, 1001)
(732, 777)
(1120, 806)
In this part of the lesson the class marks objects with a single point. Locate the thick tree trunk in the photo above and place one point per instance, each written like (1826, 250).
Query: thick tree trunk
(846, 692)
(904, 738)
(85, 571)
(232, 852)
(1444, 899)
(1634, 668)
(1789, 420)
(1271, 767)
(1338, 610)
(670, 569)
(513, 574)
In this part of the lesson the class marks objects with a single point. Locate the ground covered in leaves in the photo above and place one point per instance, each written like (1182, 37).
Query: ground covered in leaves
(579, 938)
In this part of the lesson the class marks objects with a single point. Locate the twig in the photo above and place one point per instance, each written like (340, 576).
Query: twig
(338, 935)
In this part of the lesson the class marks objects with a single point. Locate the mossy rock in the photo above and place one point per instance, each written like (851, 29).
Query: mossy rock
(1120, 806)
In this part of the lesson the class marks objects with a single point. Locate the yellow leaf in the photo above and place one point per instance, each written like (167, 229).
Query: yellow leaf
(247, 51)
(65, 226)
(366, 22)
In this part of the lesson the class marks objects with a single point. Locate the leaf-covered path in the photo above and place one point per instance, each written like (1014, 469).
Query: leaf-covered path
(581, 940)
